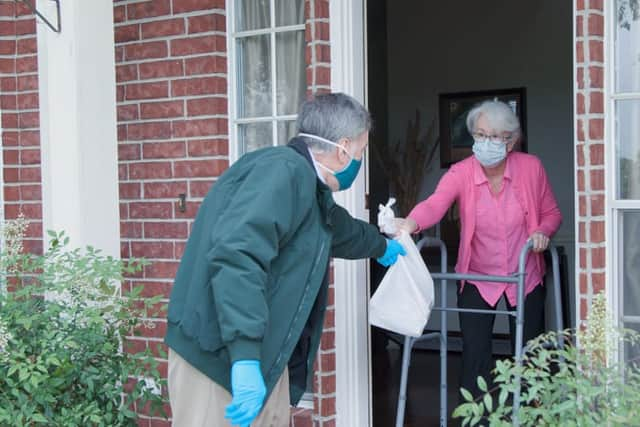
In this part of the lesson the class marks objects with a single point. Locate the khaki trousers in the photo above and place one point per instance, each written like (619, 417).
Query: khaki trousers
(197, 401)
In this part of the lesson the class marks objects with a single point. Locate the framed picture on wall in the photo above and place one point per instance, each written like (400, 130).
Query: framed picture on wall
(455, 140)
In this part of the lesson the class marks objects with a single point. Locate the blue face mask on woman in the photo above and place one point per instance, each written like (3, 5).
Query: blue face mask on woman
(346, 175)
(489, 152)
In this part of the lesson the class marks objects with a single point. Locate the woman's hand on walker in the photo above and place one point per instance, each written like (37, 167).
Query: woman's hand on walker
(540, 241)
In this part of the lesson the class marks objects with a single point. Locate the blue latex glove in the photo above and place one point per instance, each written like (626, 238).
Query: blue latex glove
(391, 253)
(248, 392)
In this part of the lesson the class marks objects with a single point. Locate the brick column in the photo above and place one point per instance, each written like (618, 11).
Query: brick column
(171, 73)
(319, 81)
(318, 54)
(19, 108)
(590, 149)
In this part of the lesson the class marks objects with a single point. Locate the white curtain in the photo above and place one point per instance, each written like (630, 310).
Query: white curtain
(628, 152)
(255, 90)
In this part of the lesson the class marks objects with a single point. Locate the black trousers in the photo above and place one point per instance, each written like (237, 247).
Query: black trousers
(477, 331)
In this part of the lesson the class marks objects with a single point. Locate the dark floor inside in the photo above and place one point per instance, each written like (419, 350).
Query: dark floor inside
(423, 395)
(423, 389)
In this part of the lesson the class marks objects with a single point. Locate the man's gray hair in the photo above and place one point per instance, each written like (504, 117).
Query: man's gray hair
(499, 115)
(332, 116)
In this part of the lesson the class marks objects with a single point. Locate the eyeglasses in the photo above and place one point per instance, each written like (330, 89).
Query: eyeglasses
(483, 137)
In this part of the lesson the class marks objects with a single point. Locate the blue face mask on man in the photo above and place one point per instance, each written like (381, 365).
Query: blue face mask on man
(346, 175)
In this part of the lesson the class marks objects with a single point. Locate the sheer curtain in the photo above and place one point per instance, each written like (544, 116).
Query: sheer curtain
(290, 64)
(627, 123)
(255, 77)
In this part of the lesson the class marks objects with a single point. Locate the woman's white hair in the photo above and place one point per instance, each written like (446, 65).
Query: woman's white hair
(499, 115)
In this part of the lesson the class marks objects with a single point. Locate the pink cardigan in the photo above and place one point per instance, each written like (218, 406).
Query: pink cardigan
(531, 188)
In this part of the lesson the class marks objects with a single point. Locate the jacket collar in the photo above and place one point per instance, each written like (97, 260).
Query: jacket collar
(324, 195)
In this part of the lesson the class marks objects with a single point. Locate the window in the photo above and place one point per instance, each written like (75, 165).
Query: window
(267, 71)
(625, 103)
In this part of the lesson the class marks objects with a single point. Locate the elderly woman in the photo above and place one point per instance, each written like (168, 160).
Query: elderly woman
(504, 199)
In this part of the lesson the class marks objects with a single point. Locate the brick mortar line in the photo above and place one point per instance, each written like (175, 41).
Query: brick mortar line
(165, 59)
(171, 119)
(169, 57)
(319, 42)
(173, 139)
(19, 38)
(323, 396)
(588, 90)
(173, 58)
(20, 18)
(18, 55)
(171, 15)
(178, 98)
(26, 202)
(170, 37)
(30, 128)
(174, 79)
(18, 111)
(137, 102)
(195, 55)
(19, 92)
(590, 116)
(592, 62)
(21, 74)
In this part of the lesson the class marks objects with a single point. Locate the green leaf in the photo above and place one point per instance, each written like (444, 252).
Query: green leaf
(488, 402)
(466, 395)
(502, 398)
(482, 384)
(39, 418)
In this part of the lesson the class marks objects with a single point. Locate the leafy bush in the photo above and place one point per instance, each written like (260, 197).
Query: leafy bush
(63, 361)
(572, 385)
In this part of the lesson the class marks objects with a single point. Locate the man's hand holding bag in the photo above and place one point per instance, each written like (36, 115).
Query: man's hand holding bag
(403, 301)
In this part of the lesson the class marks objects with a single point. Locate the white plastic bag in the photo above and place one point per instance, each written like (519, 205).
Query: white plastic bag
(403, 301)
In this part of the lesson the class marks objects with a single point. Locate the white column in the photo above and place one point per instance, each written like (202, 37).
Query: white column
(353, 391)
(76, 71)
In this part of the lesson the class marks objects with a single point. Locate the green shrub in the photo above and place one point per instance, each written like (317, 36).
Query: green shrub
(63, 361)
(579, 384)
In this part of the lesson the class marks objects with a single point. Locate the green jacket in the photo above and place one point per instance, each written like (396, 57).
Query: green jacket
(252, 283)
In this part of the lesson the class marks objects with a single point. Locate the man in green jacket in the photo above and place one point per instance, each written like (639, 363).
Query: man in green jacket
(247, 307)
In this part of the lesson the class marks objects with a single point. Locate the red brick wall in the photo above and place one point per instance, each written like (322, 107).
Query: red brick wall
(20, 119)
(590, 179)
(171, 73)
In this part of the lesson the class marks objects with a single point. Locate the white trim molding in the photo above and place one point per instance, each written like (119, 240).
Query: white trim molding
(77, 90)
(353, 389)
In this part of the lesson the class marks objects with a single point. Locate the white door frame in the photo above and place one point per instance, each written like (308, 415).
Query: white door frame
(353, 389)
